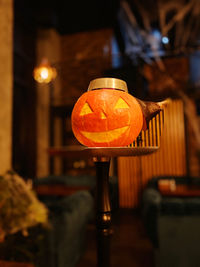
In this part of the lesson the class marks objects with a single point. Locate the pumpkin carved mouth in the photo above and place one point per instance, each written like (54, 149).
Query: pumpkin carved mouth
(109, 136)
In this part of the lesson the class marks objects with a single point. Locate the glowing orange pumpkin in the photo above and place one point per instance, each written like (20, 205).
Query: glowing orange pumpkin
(106, 118)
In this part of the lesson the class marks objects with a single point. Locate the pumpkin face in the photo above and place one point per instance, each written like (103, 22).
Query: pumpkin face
(106, 118)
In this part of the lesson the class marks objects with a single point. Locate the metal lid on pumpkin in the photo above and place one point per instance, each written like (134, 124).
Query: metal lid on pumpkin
(108, 83)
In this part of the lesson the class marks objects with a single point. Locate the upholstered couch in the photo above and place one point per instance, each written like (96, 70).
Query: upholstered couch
(71, 184)
(172, 220)
(62, 243)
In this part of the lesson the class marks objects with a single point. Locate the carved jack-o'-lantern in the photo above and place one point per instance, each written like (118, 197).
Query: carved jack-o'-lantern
(106, 117)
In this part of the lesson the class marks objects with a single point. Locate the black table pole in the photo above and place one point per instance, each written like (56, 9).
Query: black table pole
(103, 211)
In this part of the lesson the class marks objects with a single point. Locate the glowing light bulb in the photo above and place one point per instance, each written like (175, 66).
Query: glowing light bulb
(44, 73)
(165, 40)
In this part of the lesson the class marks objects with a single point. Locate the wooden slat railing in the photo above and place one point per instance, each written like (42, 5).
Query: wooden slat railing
(166, 131)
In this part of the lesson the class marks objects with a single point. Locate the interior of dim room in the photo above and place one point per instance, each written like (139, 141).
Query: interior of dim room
(47, 200)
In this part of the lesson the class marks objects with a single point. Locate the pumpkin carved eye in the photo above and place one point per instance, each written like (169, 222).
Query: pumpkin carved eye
(103, 115)
(86, 110)
(121, 104)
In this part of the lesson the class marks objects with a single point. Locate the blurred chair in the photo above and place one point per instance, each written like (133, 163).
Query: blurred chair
(62, 242)
(171, 213)
(70, 210)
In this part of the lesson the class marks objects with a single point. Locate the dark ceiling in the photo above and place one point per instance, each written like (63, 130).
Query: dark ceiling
(67, 16)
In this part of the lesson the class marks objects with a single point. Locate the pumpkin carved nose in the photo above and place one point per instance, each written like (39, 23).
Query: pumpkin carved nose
(103, 115)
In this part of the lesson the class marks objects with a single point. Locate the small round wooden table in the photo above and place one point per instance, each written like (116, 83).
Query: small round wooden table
(101, 157)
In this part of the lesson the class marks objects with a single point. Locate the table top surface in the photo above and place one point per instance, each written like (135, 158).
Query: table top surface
(83, 151)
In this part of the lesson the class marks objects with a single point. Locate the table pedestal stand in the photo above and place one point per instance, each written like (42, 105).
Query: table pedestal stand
(103, 211)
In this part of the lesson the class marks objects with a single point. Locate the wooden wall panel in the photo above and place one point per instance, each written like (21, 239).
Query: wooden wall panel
(84, 57)
(6, 90)
(192, 148)
(134, 172)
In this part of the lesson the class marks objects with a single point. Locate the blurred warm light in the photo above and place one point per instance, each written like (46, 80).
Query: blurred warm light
(44, 73)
